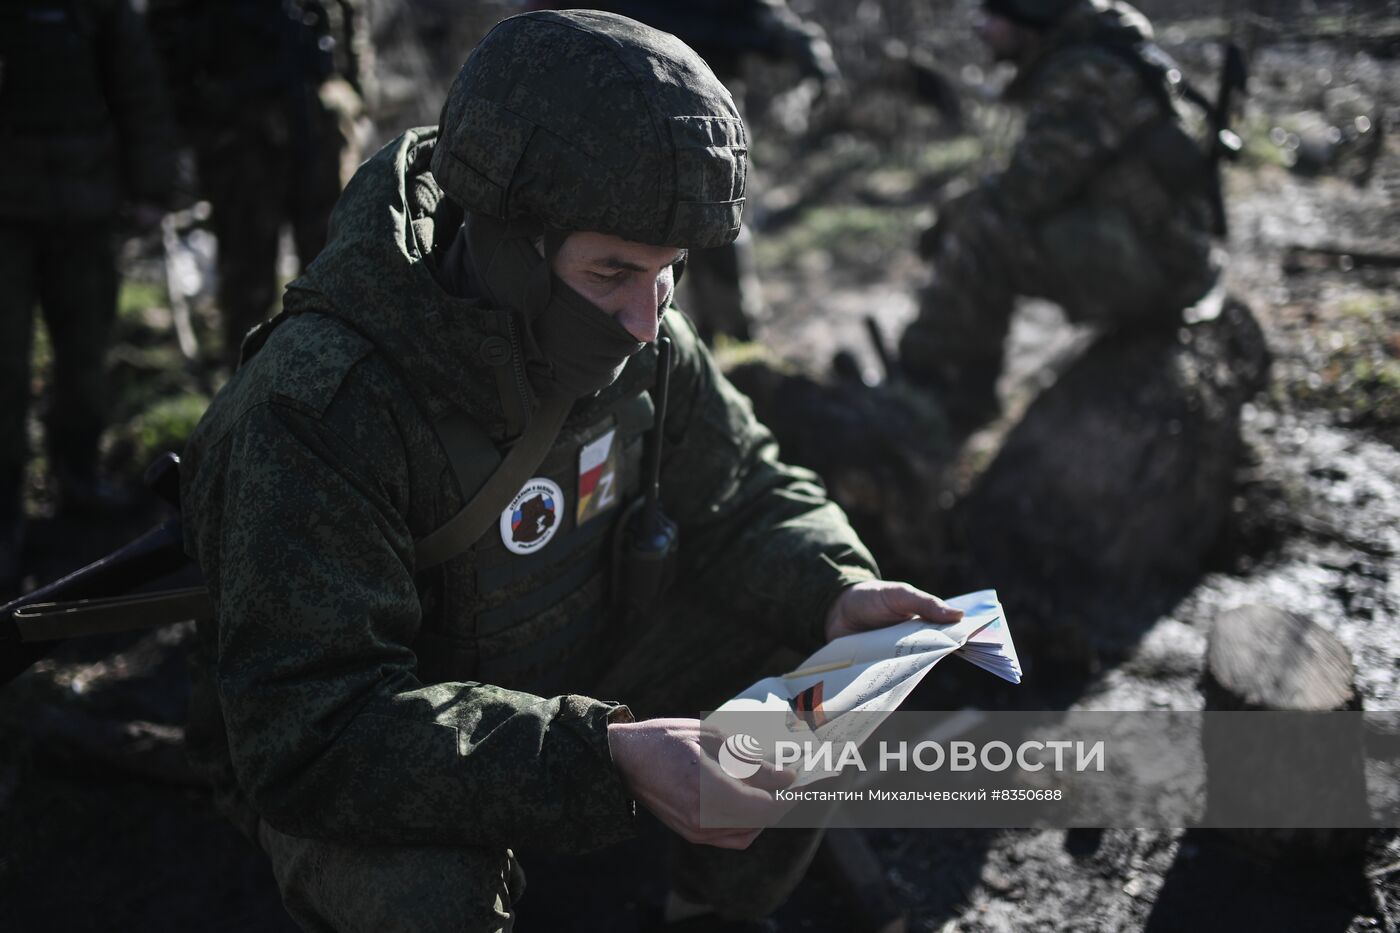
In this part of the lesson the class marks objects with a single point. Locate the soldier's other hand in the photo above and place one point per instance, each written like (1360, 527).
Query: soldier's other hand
(877, 603)
(670, 767)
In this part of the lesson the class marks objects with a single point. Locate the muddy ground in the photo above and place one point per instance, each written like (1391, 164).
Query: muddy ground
(92, 840)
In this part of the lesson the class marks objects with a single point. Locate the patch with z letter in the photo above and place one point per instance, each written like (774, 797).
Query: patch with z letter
(597, 476)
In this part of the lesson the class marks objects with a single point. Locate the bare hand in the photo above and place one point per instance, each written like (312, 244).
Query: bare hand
(876, 604)
(669, 766)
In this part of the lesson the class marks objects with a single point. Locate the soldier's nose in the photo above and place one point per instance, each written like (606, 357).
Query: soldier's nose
(640, 316)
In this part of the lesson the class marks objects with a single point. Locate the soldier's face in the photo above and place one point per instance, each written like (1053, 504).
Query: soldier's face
(631, 281)
(1006, 40)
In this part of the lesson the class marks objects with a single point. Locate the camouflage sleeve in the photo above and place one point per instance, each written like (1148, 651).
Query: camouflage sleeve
(136, 94)
(758, 531)
(1082, 109)
(330, 732)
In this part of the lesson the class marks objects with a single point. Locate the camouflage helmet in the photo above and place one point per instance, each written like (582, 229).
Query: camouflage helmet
(1037, 14)
(581, 120)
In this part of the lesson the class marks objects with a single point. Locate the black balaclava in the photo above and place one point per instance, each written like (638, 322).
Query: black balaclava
(572, 347)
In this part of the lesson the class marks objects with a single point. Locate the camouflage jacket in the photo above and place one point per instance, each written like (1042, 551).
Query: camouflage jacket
(342, 694)
(1103, 127)
(83, 116)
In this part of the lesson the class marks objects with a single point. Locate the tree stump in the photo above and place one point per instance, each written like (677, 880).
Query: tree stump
(1260, 658)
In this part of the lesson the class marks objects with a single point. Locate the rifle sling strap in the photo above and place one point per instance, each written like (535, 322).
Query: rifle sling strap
(467, 448)
(466, 527)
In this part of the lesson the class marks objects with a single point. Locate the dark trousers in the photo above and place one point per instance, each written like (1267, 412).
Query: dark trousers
(69, 271)
(261, 173)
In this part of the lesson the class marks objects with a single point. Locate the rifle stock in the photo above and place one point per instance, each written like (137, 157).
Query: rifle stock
(97, 598)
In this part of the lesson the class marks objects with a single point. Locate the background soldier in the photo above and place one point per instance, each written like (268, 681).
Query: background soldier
(1105, 206)
(371, 705)
(722, 286)
(83, 128)
(268, 93)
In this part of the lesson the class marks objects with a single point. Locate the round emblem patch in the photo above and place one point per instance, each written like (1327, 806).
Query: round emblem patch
(533, 516)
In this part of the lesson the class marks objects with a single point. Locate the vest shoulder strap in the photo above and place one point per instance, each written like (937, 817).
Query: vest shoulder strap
(471, 454)
(490, 484)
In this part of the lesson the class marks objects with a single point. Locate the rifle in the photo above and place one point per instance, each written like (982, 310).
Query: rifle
(888, 361)
(99, 598)
(1163, 75)
(1225, 143)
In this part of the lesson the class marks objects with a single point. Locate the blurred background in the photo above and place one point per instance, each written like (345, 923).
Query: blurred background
(1284, 493)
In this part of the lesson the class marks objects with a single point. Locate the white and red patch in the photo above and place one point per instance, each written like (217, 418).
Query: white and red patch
(597, 476)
